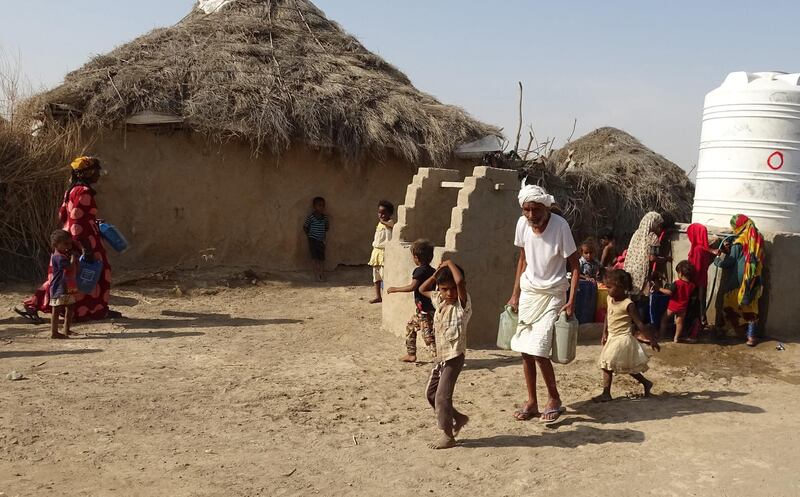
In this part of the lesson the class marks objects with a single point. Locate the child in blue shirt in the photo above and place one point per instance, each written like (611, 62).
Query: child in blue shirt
(316, 227)
(62, 286)
(589, 265)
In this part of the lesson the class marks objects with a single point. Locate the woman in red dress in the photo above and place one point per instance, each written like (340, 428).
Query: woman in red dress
(78, 216)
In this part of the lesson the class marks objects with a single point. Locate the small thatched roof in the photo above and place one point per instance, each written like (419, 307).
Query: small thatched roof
(274, 73)
(608, 179)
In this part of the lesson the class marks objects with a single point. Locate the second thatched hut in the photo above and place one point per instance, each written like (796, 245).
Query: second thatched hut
(608, 180)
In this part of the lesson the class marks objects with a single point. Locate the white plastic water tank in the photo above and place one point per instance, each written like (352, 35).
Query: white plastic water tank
(749, 159)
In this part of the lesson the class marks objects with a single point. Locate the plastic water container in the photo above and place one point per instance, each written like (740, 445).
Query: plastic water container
(565, 340)
(88, 274)
(601, 310)
(586, 301)
(507, 328)
(112, 235)
(658, 306)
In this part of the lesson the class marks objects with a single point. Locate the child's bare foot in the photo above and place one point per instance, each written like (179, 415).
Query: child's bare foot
(408, 358)
(603, 397)
(445, 442)
(58, 336)
(376, 301)
(72, 333)
(648, 386)
(459, 421)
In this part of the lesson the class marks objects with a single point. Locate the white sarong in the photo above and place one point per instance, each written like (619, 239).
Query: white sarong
(538, 312)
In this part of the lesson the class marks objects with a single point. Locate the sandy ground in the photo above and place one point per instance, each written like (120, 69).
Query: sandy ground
(288, 388)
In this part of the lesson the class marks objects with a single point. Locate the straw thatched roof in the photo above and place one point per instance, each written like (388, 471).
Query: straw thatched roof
(608, 180)
(271, 72)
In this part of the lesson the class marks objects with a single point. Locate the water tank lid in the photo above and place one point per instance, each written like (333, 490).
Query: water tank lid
(741, 79)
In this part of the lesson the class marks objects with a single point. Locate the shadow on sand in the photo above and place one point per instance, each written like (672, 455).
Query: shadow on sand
(198, 320)
(6, 354)
(666, 406)
(142, 334)
(496, 361)
(582, 435)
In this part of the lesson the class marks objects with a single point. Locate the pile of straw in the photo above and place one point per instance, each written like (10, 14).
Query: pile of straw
(274, 73)
(609, 180)
(32, 179)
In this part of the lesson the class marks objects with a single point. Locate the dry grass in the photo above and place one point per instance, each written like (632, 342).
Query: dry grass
(32, 176)
(274, 73)
(609, 180)
(32, 180)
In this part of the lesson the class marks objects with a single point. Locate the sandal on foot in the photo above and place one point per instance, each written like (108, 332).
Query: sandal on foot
(558, 411)
(31, 316)
(523, 414)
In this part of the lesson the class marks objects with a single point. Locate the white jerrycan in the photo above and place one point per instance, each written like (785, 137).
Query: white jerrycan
(506, 328)
(565, 340)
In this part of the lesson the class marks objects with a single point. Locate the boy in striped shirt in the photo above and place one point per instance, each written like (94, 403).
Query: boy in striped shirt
(316, 227)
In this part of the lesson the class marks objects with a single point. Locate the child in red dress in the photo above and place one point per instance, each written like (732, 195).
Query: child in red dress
(680, 293)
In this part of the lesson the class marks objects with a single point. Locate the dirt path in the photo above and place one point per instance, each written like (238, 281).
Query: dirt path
(287, 389)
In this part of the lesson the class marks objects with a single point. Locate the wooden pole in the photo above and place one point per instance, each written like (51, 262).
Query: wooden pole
(519, 126)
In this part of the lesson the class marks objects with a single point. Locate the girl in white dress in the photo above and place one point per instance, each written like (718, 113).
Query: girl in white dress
(622, 351)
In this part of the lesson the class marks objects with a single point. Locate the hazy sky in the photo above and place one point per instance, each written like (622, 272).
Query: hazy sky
(643, 66)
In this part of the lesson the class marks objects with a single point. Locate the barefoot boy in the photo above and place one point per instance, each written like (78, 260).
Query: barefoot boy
(453, 310)
(62, 282)
(422, 320)
(316, 227)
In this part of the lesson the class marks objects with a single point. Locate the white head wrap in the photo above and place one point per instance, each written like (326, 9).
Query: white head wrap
(534, 193)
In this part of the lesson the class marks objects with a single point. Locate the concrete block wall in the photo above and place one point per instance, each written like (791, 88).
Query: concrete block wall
(480, 238)
(427, 208)
(779, 310)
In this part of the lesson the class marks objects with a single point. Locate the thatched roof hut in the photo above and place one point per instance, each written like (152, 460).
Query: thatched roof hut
(608, 179)
(218, 131)
(274, 73)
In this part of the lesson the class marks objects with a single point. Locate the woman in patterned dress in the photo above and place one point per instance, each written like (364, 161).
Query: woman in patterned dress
(78, 216)
(638, 258)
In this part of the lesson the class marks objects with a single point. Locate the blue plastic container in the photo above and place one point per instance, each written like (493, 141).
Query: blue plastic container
(658, 306)
(112, 235)
(88, 274)
(586, 301)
